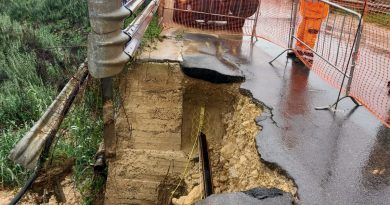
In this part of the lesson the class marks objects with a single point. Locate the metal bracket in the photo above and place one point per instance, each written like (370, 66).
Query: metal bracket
(289, 49)
(333, 107)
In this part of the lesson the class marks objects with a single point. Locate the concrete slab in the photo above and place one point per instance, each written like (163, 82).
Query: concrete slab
(171, 47)
(197, 52)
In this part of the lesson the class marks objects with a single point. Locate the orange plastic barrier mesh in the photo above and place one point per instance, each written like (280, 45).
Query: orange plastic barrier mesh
(372, 74)
(218, 16)
(274, 21)
(329, 40)
(333, 47)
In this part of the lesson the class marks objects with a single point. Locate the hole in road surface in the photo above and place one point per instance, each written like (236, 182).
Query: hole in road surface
(167, 110)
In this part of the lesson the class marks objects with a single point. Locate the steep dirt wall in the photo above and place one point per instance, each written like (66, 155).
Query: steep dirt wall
(157, 125)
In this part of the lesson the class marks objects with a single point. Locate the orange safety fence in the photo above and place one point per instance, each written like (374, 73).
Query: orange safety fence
(337, 49)
(368, 74)
(218, 16)
(268, 19)
(372, 73)
(274, 21)
(324, 39)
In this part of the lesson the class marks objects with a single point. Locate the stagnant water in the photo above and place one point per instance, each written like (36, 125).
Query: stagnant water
(157, 125)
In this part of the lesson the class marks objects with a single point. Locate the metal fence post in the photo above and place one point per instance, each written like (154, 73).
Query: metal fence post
(255, 23)
(356, 51)
(354, 59)
(294, 15)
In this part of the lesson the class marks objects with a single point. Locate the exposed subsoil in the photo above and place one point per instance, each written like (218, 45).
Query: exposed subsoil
(161, 114)
(230, 128)
(237, 164)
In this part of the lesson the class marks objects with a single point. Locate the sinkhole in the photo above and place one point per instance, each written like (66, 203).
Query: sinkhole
(158, 156)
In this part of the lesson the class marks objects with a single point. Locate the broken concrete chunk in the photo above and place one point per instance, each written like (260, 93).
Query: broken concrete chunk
(250, 197)
(264, 193)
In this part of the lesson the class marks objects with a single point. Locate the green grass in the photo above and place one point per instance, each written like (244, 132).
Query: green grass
(81, 136)
(153, 32)
(42, 43)
(11, 173)
(378, 18)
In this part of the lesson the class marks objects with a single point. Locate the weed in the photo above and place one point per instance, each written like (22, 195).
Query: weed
(81, 136)
(11, 173)
(153, 31)
(35, 57)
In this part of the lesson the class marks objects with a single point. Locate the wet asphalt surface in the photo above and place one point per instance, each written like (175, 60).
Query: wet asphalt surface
(334, 158)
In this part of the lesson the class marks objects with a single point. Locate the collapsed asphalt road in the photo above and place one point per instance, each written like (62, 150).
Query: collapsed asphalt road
(341, 158)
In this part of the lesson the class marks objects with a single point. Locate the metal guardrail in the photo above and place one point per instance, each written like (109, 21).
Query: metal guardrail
(27, 151)
(106, 54)
(32, 150)
(137, 28)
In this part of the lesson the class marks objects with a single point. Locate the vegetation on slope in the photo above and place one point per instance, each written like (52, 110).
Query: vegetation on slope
(42, 43)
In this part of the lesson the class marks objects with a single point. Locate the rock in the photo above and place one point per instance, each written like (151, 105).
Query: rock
(217, 190)
(233, 172)
(215, 183)
(246, 123)
(242, 159)
(196, 176)
(194, 195)
(223, 178)
(255, 173)
(228, 150)
(244, 182)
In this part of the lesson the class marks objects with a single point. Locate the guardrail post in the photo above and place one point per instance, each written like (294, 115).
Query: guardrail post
(109, 134)
(110, 48)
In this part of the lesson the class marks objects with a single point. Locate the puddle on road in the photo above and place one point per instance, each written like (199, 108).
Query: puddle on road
(220, 111)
